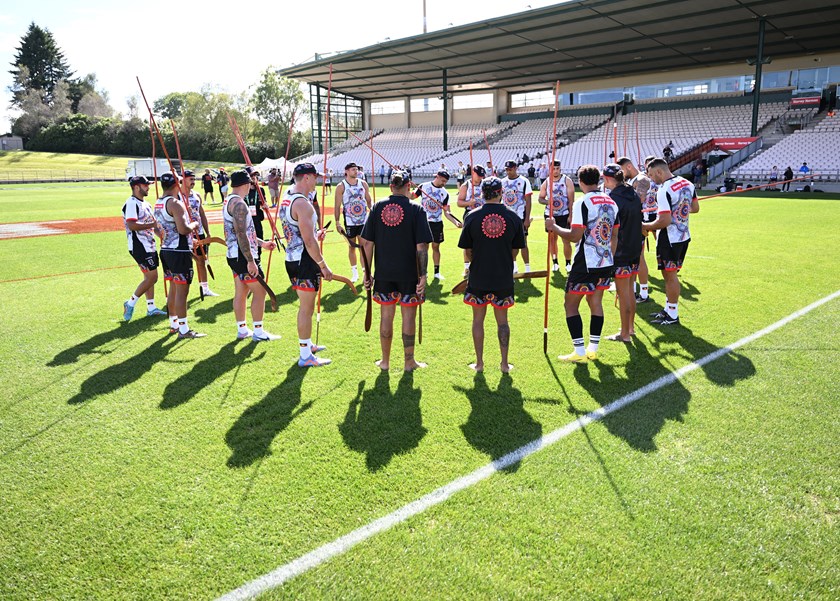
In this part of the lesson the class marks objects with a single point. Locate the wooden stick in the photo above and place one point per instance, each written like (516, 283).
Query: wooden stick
(323, 198)
(280, 190)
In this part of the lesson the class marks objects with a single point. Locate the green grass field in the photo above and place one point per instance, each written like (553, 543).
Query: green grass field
(134, 466)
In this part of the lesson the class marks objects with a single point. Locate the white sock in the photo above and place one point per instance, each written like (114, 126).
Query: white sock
(527, 267)
(132, 301)
(173, 322)
(305, 347)
(204, 285)
(183, 328)
(242, 327)
(671, 310)
(466, 265)
(354, 269)
(258, 329)
(593, 343)
(643, 290)
(150, 304)
(578, 342)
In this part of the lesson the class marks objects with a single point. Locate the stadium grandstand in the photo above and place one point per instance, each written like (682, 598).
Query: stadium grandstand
(747, 84)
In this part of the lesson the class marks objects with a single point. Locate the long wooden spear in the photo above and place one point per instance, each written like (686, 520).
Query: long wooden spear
(323, 196)
(280, 190)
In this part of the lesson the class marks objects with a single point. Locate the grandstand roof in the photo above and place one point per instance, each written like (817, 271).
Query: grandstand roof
(579, 40)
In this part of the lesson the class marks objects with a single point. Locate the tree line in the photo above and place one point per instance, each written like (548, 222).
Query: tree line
(58, 112)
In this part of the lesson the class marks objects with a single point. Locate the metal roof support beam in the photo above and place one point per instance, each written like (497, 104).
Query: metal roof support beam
(445, 114)
(759, 62)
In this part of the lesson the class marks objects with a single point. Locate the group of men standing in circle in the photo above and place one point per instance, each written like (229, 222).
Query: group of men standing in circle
(608, 226)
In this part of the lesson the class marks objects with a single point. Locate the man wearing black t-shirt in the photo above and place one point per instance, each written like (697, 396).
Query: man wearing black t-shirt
(629, 249)
(255, 206)
(397, 236)
(491, 233)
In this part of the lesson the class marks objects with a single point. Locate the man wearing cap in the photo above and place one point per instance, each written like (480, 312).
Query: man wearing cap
(242, 257)
(435, 201)
(140, 226)
(176, 253)
(396, 237)
(470, 198)
(491, 233)
(304, 262)
(352, 199)
(562, 198)
(516, 196)
(255, 205)
(629, 248)
(677, 199)
(197, 211)
(223, 179)
(207, 185)
(594, 225)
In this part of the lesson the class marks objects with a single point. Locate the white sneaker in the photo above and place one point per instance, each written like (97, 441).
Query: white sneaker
(527, 269)
(515, 270)
(208, 292)
(354, 277)
(244, 335)
(439, 276)
(556, 267)
(569, 268)
(265, 337)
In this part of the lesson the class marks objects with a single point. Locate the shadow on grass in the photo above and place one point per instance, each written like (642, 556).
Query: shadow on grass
(206, 371)
(435, 292)
(92, 345)
(337, 297)
(526, 289)
(250, 438)
(382, 424)
(122, 374)
(498, 422)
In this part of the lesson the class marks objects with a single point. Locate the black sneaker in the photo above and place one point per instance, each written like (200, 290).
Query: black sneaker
(190, 334)
(666, 320)
(658, 315)
(640, 300)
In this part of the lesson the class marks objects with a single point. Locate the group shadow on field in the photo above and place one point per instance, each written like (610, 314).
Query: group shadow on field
(94, 345)
(380, 423)
(498, 422)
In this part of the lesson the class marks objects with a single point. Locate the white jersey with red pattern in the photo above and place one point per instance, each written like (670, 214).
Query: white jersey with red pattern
(432, 199)
(558, 197)
(233, 250)
(354, 203)
(514, 192)
(291, 228)
(172, 239)
(650, 205)
(195, 210)
(138, 211)
(474, 193)
(597, 214)
(678, 193)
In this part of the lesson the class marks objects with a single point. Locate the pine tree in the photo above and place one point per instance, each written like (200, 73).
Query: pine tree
(44, 61)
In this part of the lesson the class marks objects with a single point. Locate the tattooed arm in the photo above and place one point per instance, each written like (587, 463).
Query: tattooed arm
(239, 211)
(422, 266)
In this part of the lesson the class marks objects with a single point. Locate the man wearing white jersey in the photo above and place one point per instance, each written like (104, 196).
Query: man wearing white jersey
(516, 196)
(594, 230)
(352, 199)
(197, 210)
(139, 227)
(470, 198)
(176, 253)
(435, 201)
(677, 199)
(647, 192)
(243, 259)
(562, 199)
(304, 262)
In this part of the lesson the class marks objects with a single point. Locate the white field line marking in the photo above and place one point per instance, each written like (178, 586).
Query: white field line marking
(344, 543)
(700, 257)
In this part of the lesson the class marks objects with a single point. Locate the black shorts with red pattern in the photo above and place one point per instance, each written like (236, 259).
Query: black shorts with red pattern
(305, 274)
(670, 257)
(437, 231)
(177, 266)
(562, 221)
(626, 271)
(148, 261)
(392, 293)
(480, 298)
(353, 230)
(239, 267)
(589, 283)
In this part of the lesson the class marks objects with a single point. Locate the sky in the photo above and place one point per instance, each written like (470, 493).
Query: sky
(209, 42)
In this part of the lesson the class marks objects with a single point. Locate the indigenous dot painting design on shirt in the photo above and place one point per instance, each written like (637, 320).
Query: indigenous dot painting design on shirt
(559, 198)
(679, 192)
(649, 203)
(513, 195)
(434, 205)
(598, 214)
(493, 226)
(138, 211)
(291, 228)
(195, 210)
(392, 215)
(172, 240)
(474, 193)
(233, 250)
(355, 207)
